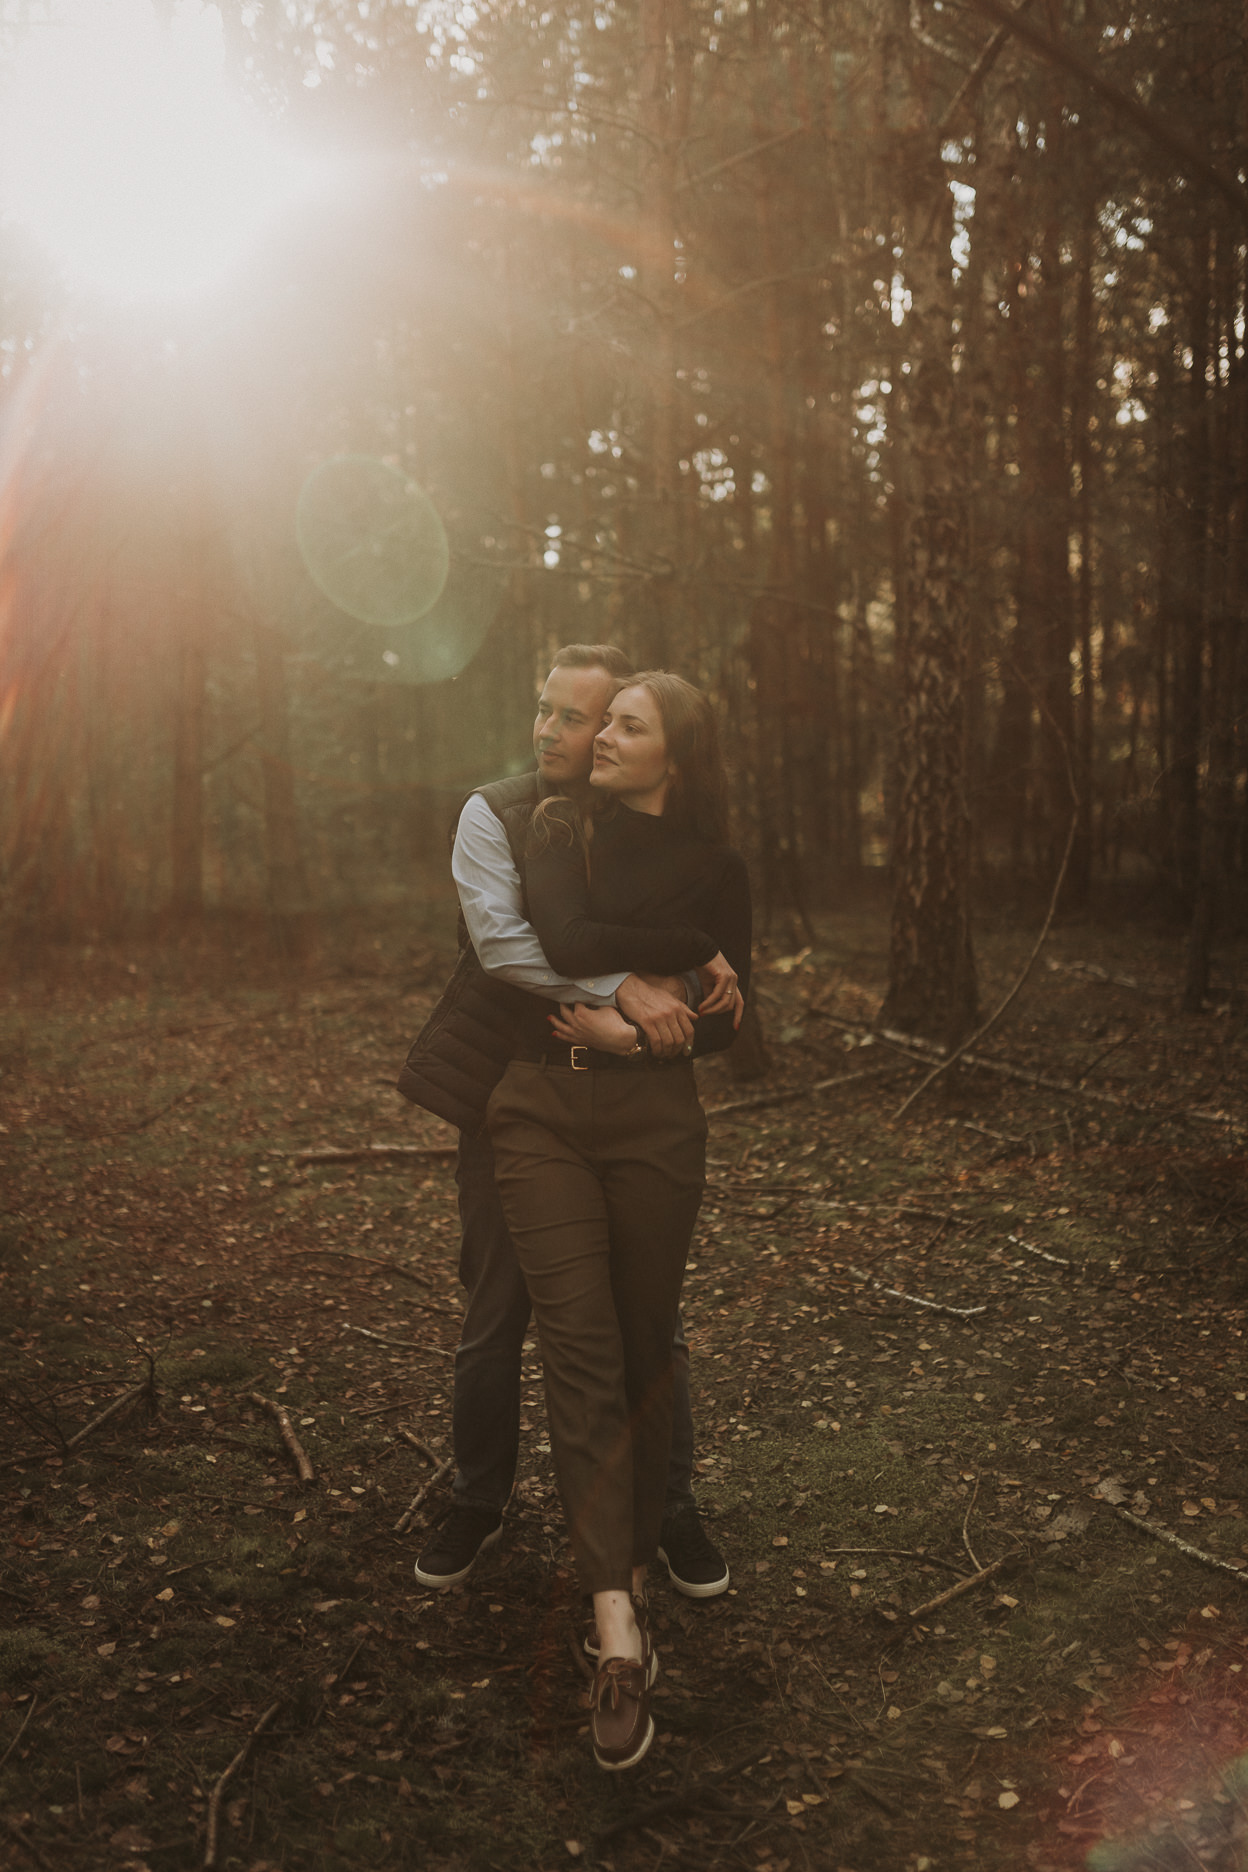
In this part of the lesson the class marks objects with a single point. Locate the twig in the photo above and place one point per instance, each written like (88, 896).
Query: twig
(974, 1039)
(963, 1586)
(1184, 1547)
(16, 1833)
(904, 1553)
(141, 1124)
(364, 1153)
(400, 1345)
(146, 1389)
(799, 1092)
(214, 1802)
(21, 1732)
(966, 1522)
(294, 1447)
(935, 1306)
(671, 1803)
(405, 1519)
(392, 1267)
(1057, 1260)
(384, 1410)
(999, 1137)
(410, 1437)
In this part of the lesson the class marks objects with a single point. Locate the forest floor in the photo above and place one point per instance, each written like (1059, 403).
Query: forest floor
(967, 1342)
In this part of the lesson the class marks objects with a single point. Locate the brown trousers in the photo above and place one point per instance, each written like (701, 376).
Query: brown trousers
(601, 1176)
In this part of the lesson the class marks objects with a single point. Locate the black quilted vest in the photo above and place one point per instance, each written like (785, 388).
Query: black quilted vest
(461, 1052)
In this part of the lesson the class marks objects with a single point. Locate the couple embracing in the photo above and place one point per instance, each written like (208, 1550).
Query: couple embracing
(606, 945)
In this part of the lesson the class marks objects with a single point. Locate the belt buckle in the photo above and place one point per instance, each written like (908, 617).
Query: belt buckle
(578, 1065)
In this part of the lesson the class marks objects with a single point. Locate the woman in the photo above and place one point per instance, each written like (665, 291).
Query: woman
(600, 1147)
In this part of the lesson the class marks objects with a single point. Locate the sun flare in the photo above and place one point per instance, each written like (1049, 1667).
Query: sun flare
(126, 155)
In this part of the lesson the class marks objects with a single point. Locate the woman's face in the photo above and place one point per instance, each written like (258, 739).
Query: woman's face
(630, 752)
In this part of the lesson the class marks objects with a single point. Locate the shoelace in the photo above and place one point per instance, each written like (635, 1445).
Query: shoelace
(610, 1682)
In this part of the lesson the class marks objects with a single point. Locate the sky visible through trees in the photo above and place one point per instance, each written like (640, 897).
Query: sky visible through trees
(880, 366)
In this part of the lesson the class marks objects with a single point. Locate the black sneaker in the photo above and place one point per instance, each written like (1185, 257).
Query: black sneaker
(453, 1546)
(694, 1566)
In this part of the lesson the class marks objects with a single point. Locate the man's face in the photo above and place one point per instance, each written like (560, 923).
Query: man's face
(569, 715)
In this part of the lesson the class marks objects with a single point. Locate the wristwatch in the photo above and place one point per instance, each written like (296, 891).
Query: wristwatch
(642, 1045)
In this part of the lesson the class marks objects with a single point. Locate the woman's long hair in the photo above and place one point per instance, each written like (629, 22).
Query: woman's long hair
(699, 793)
(698, 797)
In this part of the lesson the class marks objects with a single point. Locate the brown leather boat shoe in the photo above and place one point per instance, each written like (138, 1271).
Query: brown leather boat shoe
(619, 1705)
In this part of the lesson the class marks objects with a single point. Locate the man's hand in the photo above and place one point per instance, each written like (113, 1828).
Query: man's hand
(661, 1014)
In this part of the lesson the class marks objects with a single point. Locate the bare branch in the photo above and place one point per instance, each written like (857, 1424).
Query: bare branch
(147, 1389)
(974, 1039)
(1184, 1547)
(294, 1447)
(1189, 157)
(214, 1802)
(964, 1586)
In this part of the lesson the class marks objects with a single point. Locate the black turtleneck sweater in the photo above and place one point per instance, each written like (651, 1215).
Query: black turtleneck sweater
(655, 899)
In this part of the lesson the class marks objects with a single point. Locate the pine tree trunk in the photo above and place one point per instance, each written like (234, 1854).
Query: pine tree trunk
(932, 987)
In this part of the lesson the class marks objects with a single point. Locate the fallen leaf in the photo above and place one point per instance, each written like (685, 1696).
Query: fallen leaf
(221, 1619)
(1008, 1799)
(105, 1650)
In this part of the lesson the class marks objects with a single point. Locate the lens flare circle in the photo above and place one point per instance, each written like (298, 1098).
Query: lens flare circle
(372, 540)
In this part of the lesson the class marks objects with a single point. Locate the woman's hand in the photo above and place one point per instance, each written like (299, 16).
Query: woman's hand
(719, 989)
(602, 1028)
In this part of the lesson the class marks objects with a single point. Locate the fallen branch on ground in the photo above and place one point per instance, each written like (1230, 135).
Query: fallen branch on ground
(920, 1050)
(405, 1519)
(1057, 1260)
(15, 1833)
(364, 1153)
(383, 1410)
(1092, 971)
(147, 1389)
(21, 1732)
(964, 1586)
(294, 1447)
(902, 1553)
(798, 1092)
(399, 1345)
(948, 1217)
(414, 1442)
(966, 1529)
(959, 1052)
(686, 1797)
(141, 1124)
(1184, 1547)
(336, 1679)
(935, 1306)
(391, 1267)
(214, 1801)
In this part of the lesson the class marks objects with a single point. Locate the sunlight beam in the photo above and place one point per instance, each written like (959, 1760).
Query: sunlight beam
(126, 155)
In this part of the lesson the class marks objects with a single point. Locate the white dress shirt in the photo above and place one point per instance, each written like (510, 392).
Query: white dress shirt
(493, 904)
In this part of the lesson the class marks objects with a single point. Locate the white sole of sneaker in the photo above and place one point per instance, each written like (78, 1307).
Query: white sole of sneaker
(453, 1579)
(695, 1589)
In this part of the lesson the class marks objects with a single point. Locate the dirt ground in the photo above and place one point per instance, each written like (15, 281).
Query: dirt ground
(963, 1380)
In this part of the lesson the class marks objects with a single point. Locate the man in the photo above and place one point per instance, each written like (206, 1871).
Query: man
(451, 1070)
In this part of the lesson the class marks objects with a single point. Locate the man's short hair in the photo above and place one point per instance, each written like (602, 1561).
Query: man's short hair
(593, 656)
